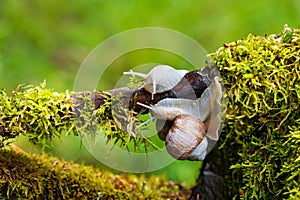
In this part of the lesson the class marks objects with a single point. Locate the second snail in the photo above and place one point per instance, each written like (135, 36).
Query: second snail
(190, 127)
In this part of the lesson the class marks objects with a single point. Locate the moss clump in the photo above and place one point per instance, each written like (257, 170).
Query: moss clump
(44, 177)
(260, 136)
(36, 112)
(41, 114)
(112, 124)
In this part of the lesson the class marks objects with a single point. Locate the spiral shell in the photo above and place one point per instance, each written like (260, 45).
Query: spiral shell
(184, 137)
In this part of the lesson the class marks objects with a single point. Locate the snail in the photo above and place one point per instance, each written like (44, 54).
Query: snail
(186, 138)
(160, 79)
(196, 123)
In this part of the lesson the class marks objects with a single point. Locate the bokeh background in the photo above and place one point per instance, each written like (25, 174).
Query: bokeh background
(48, 40)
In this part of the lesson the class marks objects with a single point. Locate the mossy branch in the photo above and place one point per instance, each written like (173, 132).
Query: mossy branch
(30, 176)
(260, 138)
(42, 114)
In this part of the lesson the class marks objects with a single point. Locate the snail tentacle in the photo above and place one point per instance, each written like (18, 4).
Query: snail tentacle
(135, 74)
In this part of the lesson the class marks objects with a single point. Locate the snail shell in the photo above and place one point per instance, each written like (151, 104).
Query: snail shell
(184, 138)
(206, 108)
(160, 79)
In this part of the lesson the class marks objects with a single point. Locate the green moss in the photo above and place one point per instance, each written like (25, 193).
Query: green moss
(41, 114)
(44, 177)
(260, 139)
(261, 133)
(36, 112)
(112, 124)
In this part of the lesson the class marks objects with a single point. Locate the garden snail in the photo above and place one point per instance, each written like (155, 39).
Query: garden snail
(160, 79)
(186, 138)
(196, 122)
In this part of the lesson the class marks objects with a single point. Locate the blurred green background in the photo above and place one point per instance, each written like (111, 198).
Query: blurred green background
(49, 40)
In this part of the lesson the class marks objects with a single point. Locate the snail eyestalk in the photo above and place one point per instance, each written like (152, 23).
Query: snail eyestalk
(144, 105)
(136, 74)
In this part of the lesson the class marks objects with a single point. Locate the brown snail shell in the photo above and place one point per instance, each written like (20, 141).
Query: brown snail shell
(185, 136)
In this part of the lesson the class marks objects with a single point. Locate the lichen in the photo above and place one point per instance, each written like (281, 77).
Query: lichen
(260, 137)
(45, 177)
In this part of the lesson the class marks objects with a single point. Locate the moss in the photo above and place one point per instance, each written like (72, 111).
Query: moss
(36, 112)
(41, 114)
(44, 177)
(260, 139)
(261, 133)
(112, 124)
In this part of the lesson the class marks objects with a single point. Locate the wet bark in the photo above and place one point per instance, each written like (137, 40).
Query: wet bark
(210, 183)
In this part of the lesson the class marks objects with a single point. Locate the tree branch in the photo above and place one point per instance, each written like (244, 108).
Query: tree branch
(29, 176)
(259, 141)
(191, 86)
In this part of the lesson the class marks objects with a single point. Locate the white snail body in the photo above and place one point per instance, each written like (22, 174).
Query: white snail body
(184, 138)
(194, 122)
(160, 79)
(206, 108)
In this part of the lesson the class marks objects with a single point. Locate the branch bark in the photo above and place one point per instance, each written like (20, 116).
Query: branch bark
(191, 86)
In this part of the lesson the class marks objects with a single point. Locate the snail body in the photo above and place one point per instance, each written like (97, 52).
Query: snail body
(186, 138)
(160, 79)
(206, 108)
(189, 123)
(169, 108)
